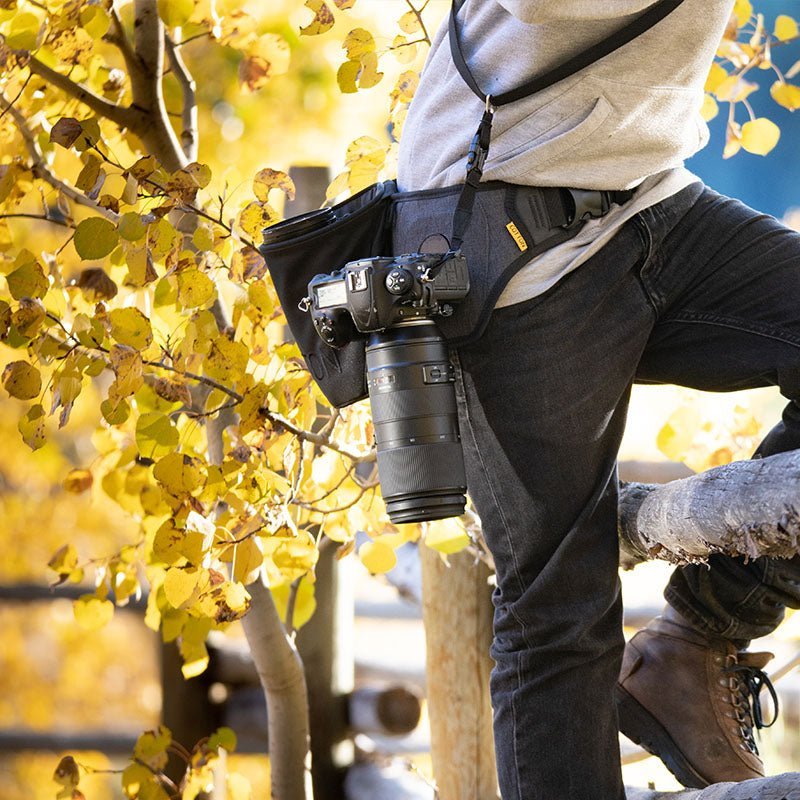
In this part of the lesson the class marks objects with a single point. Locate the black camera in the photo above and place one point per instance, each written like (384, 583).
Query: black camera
(373, 294)
(393, 302)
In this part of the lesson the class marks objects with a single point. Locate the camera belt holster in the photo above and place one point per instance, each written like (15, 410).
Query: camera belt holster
(498, 226)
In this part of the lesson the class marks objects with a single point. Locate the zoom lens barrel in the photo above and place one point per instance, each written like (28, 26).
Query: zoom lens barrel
(412, 395)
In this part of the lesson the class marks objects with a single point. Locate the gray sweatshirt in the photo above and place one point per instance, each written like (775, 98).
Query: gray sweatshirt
(630, 120)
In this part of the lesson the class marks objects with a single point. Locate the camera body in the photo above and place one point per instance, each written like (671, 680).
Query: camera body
(374, 294)
(392, 302)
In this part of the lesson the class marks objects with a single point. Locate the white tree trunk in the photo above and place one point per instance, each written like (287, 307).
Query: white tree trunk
(780, 787)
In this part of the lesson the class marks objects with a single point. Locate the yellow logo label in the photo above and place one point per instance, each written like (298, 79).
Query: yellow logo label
(517, 236)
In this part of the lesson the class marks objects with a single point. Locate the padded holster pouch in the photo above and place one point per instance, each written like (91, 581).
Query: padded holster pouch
(361, 228)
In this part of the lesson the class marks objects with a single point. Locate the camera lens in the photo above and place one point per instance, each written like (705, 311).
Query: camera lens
(412, 395)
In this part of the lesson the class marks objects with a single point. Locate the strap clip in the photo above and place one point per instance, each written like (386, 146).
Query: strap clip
(587, 204)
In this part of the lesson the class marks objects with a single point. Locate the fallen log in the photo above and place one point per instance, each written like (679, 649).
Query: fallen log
(747, 508)
(779, 787)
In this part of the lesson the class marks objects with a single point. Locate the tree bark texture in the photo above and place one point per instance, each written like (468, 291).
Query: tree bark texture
(747, 508)
(457, 612)
(779, 787)
(280, 671)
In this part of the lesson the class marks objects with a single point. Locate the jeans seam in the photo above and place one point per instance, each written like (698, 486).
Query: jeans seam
(646, 238)
(734, 323)
(490, 485)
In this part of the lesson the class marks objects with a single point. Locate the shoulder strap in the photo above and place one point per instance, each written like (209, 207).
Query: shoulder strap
(627, 33)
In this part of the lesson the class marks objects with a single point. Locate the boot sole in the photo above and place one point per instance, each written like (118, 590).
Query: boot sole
(645, 730)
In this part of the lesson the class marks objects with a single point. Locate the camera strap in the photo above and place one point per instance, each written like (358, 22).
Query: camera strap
(479, 147)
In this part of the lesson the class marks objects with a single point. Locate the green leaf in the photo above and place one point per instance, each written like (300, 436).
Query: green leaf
(224, 738)
(95, 238)
(131, 227)
(28, 280)
(155, 435)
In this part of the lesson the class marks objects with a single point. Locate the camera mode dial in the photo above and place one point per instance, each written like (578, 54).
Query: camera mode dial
(399, 281)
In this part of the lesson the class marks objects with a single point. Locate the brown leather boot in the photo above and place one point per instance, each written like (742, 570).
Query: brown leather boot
(693, 702)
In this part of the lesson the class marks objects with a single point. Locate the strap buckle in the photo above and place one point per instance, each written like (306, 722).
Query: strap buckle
(586, 204)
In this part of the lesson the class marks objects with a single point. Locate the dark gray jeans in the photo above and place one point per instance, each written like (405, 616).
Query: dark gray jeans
(699, 291)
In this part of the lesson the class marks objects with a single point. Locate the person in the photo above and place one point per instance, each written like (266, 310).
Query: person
(677, 284)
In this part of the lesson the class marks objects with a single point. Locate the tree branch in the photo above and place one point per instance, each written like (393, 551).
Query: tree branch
(188, 88)
(158, 134)
(122, 116)
(748, 508)
(117, 36)
(42, 170)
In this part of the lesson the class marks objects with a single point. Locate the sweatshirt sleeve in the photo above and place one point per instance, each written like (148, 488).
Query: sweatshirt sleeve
(538, 11)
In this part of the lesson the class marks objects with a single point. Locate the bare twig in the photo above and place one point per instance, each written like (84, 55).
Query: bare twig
(418, 15)
(125, 117)
(42, 170)
(188, 88)
(42, 217)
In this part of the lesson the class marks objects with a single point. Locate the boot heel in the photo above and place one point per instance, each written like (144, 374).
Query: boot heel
(643, 729)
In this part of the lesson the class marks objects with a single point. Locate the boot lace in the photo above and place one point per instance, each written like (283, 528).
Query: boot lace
(746, 684)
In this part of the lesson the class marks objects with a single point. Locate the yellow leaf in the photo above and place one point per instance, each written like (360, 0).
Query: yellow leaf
(369, 76)
(786, 95)
(151, 748)
(347, 77)
(179, 473)
(22, 380)
(127, 365)
(786, 28)
(743, 11)
(377, 557)
(716, 75)
(23, 32)
(32, 427)
(254, 217)
(195, 288)
(78, 481)
(179, 585)
(268, 179)
(409, 22)
(95, 20)
(710, 108)
(447, 536)
(175, 13)
(759, 136)
(92, 613)
(64, 562)
(323, 18)
(130, 327)
(195, 658)
(226, 361)
(305, 604)
(735, 89)
(246, 558)
(358, 43)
